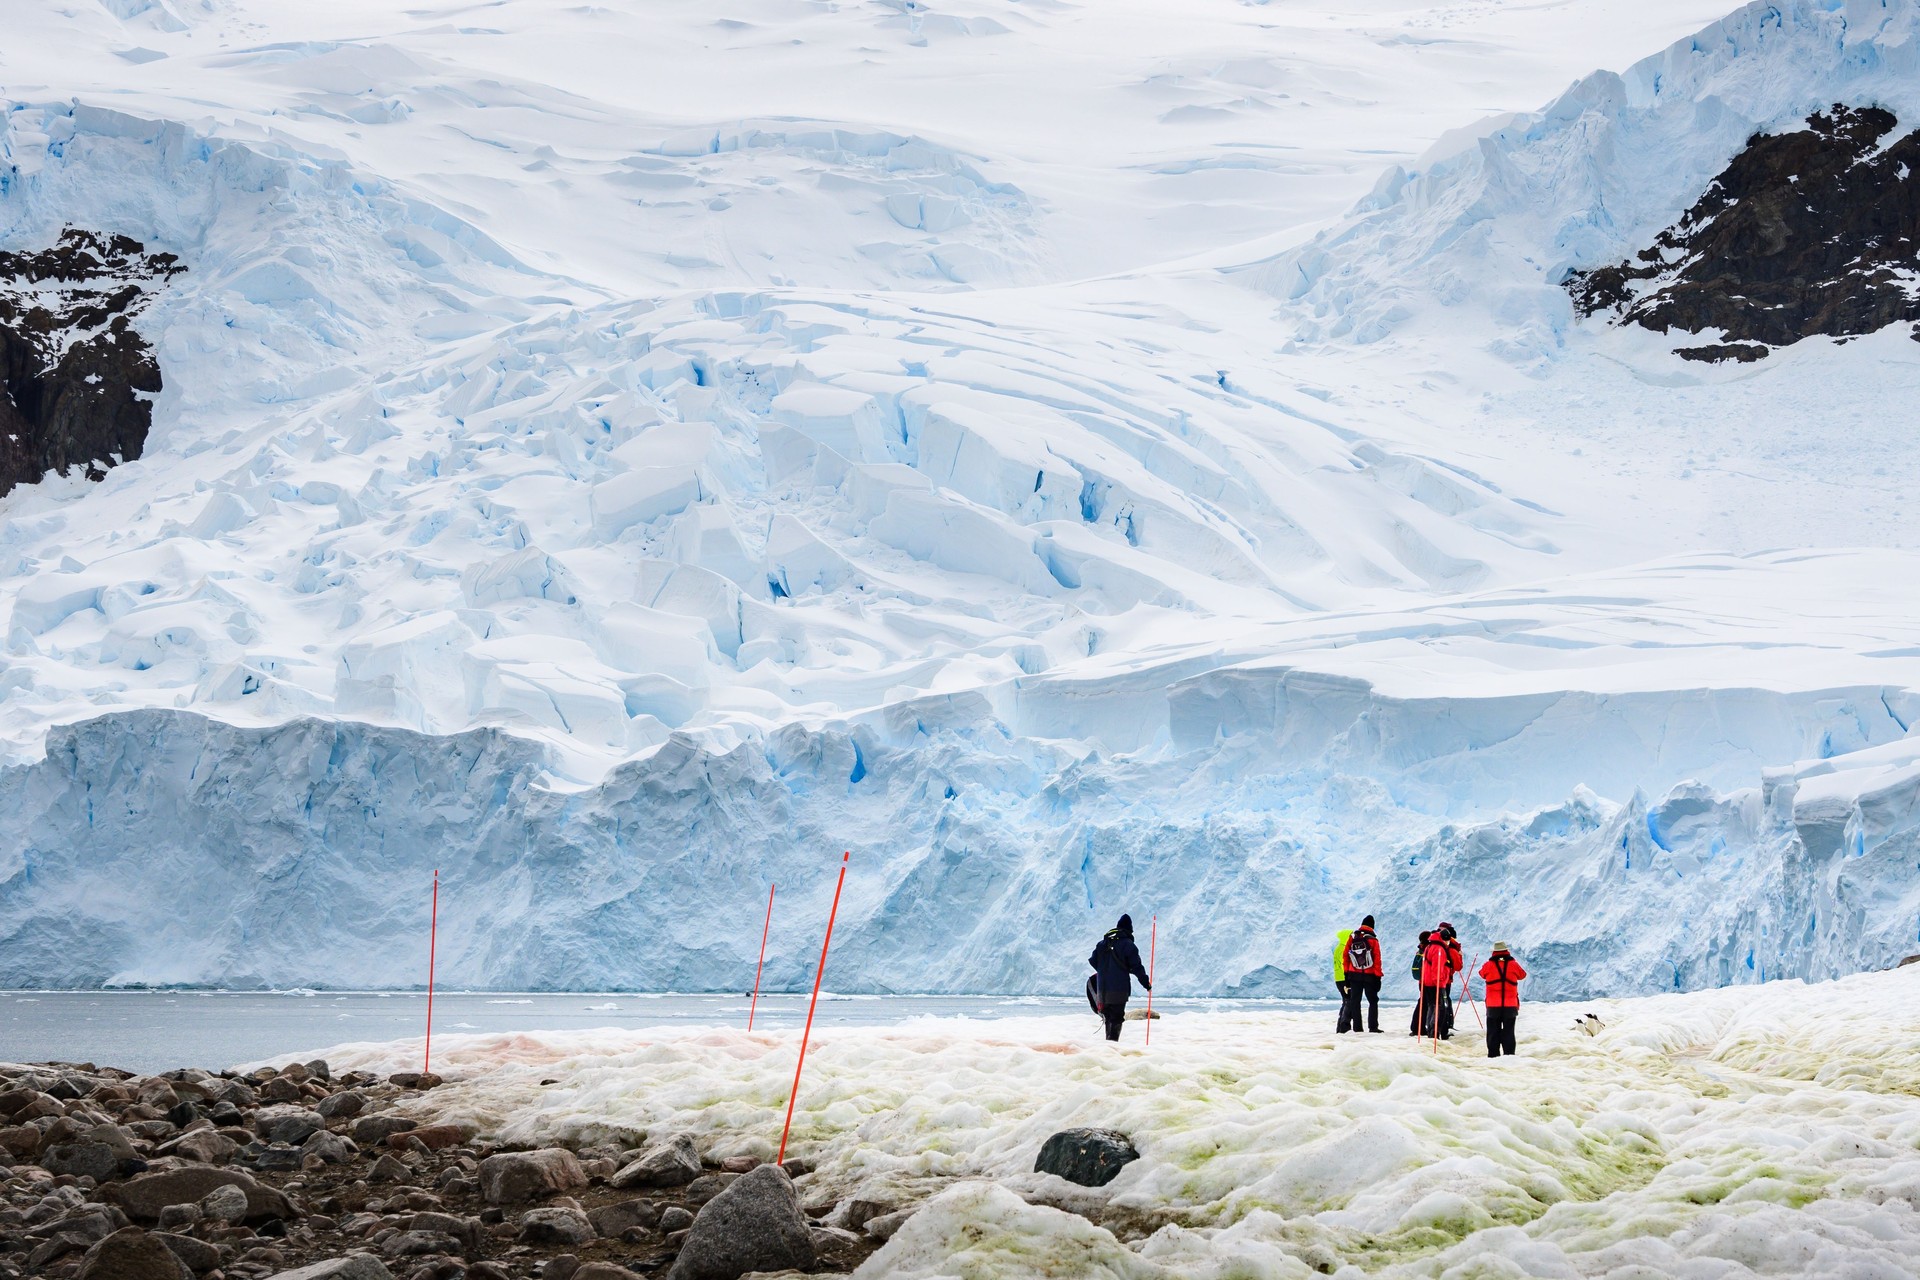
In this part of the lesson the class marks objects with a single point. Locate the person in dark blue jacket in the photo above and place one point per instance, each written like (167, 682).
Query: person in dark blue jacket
(1113, 959)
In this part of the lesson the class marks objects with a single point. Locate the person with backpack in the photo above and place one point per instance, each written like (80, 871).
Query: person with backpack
(1340, 974)
(1455, 964)
(1502, 974)
(1439, 962)
(1419, 1005)
(1363, 969)
(1113, 959)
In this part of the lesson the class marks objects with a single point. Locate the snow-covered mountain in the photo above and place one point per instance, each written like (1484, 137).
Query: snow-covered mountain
(1079, 458)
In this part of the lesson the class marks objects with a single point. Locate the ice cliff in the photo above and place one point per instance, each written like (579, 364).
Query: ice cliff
(635, 507)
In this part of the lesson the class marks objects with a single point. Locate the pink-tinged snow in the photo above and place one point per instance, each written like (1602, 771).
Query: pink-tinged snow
(1771, 1130)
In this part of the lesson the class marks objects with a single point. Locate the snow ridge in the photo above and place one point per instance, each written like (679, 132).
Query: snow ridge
(1494, 219)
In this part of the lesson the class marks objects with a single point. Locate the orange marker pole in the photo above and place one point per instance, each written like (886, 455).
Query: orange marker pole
(1466, 992)
(433, 945)
(763, 957)
(817, 973)
(1153, 945)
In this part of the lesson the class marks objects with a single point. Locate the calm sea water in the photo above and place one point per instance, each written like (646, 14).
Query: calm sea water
(157, 1030)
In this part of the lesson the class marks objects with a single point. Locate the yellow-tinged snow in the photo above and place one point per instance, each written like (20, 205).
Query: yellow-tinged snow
(1765, 1130)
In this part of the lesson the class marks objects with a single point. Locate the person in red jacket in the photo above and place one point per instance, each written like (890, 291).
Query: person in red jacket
(1362, 958)
(1439, 962)
(1502, 974)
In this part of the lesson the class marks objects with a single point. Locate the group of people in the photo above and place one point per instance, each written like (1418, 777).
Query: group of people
(1357, 971)
(1437, 962)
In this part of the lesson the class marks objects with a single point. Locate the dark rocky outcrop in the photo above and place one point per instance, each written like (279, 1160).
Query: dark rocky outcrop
(1090, 1157)
(1810, 232)
(76, 379)
(434, 1202)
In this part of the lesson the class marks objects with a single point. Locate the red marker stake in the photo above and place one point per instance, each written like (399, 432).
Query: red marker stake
(763, 957)
(433, 945)
(824, 943)
(1466, 992)
(1153, 945)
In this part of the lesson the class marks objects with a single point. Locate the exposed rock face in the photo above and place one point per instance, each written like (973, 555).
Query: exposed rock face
(76, 381)
(1090, 1157)
(1810, 232)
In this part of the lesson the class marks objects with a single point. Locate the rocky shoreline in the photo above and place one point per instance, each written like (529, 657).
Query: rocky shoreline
(198, 1175)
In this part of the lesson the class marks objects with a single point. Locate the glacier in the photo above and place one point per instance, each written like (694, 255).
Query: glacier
(624, 492)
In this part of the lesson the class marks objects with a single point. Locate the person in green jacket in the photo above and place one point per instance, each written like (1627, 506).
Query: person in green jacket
(1340, 965)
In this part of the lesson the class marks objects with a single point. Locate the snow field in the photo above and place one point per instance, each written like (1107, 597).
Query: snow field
(1760, 1131)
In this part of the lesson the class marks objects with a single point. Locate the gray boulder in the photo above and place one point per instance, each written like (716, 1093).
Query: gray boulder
(203, 1145)
(754, 1225)
(420, 1244)
(224, 1204)
(144, 1197)
(355, 1266)
(373, 1131)
(195, 1255)
(611, 1220)
(470, 1232)
(675, 1218)
(94, 1160)
(289, 1124)
(1089, 1157)
(232, 1092)
(672, 1163)
(603, 1271)
(330, 1147)
(112, 1135)
(884, 1227)
(524, 1175)
(342, 1106)
(555, 1225)
(132, 1254)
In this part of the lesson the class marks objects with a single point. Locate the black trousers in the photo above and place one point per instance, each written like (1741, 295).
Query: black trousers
(1341, 987)
(1114, 1012)
(1435, 1013)
(1360, 986)
(1500, 1030)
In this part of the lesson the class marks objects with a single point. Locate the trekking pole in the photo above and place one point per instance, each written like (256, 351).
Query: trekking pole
(763, 958)
(433, 944)
(1153, 945)
(1439, 1012)
(1466, 992)
(824, 943)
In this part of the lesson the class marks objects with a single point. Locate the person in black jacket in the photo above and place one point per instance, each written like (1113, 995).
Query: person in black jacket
(1113, 960)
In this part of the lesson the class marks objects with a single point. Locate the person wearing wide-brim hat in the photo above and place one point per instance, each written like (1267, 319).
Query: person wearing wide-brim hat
(1502, 974)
